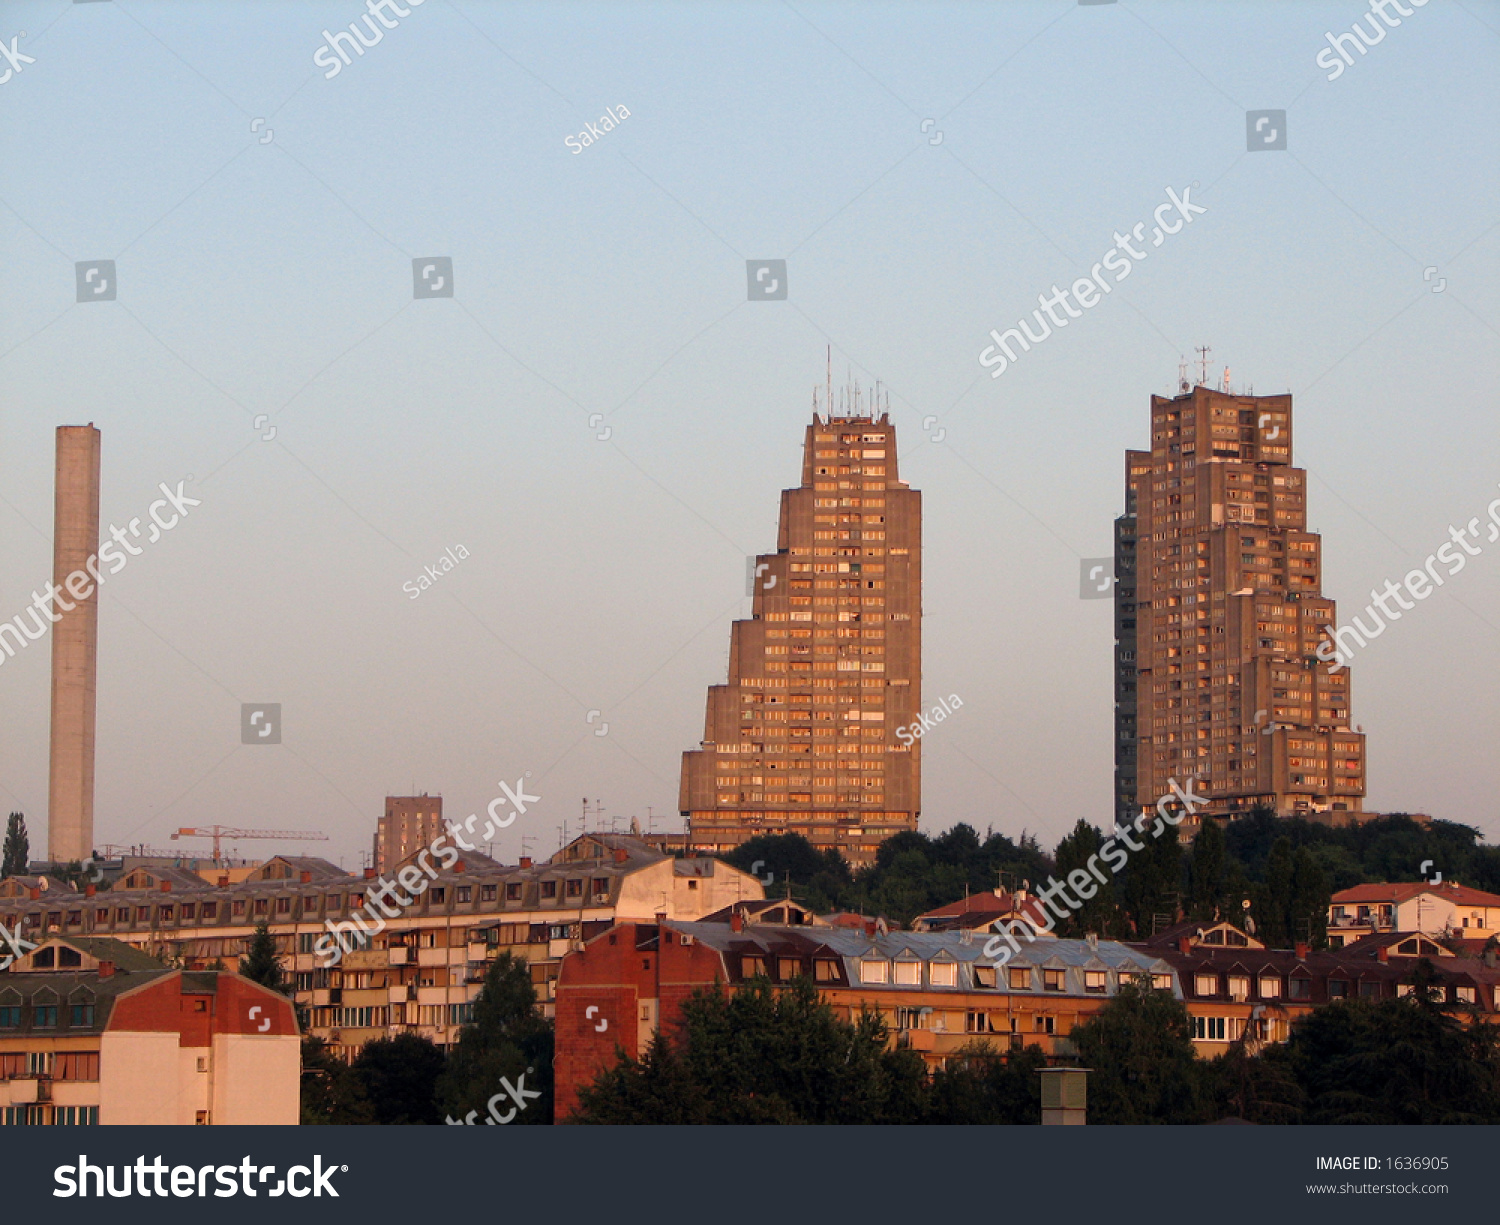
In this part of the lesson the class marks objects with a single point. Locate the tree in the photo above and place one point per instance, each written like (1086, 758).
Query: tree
(1396, 1061)
(1139, 1051)
(1311, 898)
(399, 1076)
(262, 964)
(332, 1092)
(1099, 912)
(762, 1055)
(507, 1039)
(1206, 874)
(1153, 878)
(980, 1085)
(17, 855)
(1273, 906)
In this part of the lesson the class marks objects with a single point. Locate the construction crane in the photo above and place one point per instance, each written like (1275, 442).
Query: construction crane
(216, 832)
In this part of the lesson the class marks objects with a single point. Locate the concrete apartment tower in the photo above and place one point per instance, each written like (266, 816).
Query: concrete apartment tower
(410, 823)
(75, 645)
(803, 738)
(1219, 614)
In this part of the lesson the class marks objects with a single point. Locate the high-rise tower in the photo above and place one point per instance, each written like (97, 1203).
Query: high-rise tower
(75, 643)
(803, 739)
(1219, 615)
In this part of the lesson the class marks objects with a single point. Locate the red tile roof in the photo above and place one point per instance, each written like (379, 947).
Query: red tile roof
(1397, 892)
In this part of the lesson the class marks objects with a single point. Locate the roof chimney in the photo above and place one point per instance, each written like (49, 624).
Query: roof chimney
(526, 861)
(106, 969)
(1302, 951)
(736, 921)
(458, 866)
(1184, 944)
(34, 893)
(88, 891)
(306, 878)
(223, 882)
(166, 886)
(369, 873)
(621, 854)
(1383, 953)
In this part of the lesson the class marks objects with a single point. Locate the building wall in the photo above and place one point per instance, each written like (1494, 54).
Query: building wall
(1229, 616)
(257, 1079)
(141, 1079)
(803, 738)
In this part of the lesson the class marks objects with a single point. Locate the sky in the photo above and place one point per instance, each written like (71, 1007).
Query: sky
(603, 420)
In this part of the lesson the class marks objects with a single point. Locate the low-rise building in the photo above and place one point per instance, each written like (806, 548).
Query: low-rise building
(422, 970)
(95, 1031)
(987, 912)
(937, 991)
(1440, 909)
(1237, 990)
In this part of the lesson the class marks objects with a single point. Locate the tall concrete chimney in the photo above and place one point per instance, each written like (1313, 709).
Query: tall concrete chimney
(75, 642)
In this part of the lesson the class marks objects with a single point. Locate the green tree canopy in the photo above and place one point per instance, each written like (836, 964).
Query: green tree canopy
(17, 854)
(399, 1076)
(761, 1055)
(507, 1039)
(262, 964)
(1139, 1053)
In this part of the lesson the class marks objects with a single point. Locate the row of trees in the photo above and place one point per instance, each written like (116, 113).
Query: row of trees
(1286, 869)
(763, 1056)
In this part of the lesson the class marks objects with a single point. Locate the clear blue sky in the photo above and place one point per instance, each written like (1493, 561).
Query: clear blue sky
(275, 277)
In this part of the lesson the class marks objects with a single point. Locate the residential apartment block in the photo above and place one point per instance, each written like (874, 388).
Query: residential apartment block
(937, 991)
(1219, 616)
(1446, 909)
(410, 822)
(422, 971)
(95, 1031)
(802, 739)
(1236, 989)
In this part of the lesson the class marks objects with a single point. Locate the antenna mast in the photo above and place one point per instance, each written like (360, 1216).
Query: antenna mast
(1203, 352)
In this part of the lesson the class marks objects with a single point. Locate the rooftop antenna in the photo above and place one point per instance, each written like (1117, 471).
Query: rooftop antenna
(1182, 378)
(1226, 380)
(1203, 352)
(828, 398)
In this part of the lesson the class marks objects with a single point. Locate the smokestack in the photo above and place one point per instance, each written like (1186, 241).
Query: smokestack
(75, 639)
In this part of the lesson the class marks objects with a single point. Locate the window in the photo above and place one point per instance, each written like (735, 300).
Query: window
(1270, 987)
(77, 1065)
(1464, 995)
(466, 893)
(44, 1016)
(976, 1022)
(1046, 1025)
(984, 976)
(1210, 1029)
(908, 973)
(487, 893)
(943, 973)
(1161, 982)
(874, 971)
(513, 892)
(788, 968)
(1205, 984)
(10, 1016)
(1052, 980)
(261, 905)
(1369, 989)
(210, 910)
(438, 896)
(80, 1016)
(1095, 982)
(573, 887)
(1338, 989)
(1301, 989)
(189, 910)
(1020, 978)
(826, 971)
(549, 888)
(753, 967)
